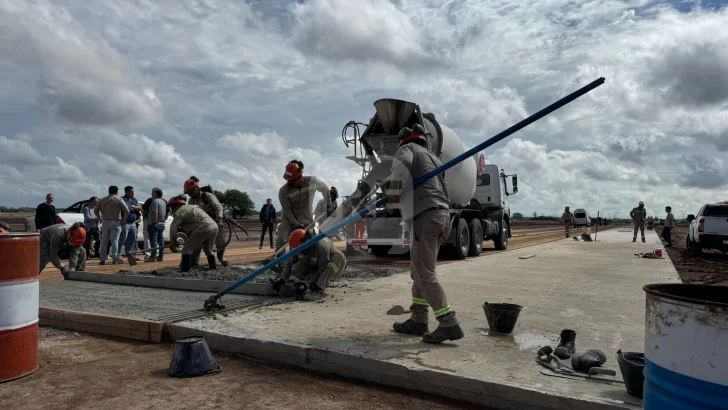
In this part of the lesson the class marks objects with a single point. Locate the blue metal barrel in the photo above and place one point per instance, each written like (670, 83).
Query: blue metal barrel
(686, 347)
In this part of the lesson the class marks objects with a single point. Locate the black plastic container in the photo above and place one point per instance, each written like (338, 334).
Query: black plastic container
(631, 365)
(192, 357)
(502, 317)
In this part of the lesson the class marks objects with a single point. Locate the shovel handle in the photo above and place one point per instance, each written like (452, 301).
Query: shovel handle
(600, 370)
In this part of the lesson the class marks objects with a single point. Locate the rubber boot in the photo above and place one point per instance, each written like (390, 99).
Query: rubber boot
(186, 263)
(211, 262)
(221, 258)
(442, 334)
(634, 239)
(196, 258)
(643, 239)
(567, 344)
(411, 327)
(584, 361)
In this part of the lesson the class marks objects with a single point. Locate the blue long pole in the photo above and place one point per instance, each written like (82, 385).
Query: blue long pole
(212, 300)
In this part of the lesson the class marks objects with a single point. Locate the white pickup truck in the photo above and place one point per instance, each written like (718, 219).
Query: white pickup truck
(73, 214)
(708, 229)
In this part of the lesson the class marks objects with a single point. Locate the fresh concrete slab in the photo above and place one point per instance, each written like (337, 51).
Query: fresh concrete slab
(127, 301)
(594, 288)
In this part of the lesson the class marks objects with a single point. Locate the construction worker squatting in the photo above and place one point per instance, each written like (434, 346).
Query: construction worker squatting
(200, 228)
(60, 236)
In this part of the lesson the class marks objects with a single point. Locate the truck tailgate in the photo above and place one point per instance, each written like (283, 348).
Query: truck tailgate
(716, 220)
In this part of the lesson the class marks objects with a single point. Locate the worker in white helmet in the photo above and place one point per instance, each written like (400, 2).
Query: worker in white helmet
(639, 215)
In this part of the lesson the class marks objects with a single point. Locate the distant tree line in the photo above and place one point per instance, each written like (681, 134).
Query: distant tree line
(237, 202)
(21, 209)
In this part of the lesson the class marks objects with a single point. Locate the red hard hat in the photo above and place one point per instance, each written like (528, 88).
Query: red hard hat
(296, 238)
(409, 134)
(189, 184)
(177, 201)
(293, 171)
(77, 235)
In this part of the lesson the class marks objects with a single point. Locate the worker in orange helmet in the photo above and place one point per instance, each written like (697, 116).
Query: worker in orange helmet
(314, 266)
(211, 205)
(200, 228)
(55, 238)
(4, 227)
(296, 198)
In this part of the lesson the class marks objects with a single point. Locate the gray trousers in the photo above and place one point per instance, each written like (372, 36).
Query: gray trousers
(311, 275)
(77, 260)
(145, 227)
(639, 225)
(200, 240)
(427, 232)
(110, 231)
(567, 229)
(284, 231)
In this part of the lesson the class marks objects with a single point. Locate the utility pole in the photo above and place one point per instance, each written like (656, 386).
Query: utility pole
(684, 213)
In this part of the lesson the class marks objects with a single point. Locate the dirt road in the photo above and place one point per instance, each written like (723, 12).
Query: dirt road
(709, 268)
(83, 371)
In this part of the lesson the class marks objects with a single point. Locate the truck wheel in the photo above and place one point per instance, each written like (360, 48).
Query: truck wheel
(695, 248)
(501, 241)
(380, 250)
(476, 238)
(462, 240)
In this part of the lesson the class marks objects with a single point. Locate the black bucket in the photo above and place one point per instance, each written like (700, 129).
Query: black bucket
(631, 365)
(501, 317)
(192, 357)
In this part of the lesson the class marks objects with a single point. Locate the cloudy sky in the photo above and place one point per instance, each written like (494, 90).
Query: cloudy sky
(149, 92)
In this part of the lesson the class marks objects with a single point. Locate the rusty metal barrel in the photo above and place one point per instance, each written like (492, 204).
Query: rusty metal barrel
(19, 293)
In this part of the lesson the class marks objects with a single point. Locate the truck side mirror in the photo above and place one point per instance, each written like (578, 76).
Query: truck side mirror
(514, 180)
(691, 218)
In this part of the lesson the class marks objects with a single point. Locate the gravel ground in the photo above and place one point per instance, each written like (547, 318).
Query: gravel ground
(235, 272)
(710, 268)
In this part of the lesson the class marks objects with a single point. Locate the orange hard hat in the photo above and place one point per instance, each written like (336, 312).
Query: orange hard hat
(2, 230)
(293, 171)
(189, 184)
(417, 132)
(177, 201)
(297, 237)
(77, 234)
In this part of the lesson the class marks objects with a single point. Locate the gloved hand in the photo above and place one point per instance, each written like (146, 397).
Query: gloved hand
(64, 272)
(299, 226)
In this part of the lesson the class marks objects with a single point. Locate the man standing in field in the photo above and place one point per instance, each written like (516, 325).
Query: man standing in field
(567, 218)
(639, 215)
(669, 224)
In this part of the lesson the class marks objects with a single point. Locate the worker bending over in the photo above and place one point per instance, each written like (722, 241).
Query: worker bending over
(57, 237)
(428, 219)
(296, 198)
(316, 265)
(639, 215)
(201, 231)
(209, 203)
(567, 218)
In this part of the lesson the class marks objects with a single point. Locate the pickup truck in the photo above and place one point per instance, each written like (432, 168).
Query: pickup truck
(708, 229)
(73, 214)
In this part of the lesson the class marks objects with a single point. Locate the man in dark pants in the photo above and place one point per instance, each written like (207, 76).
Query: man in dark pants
(268, 219)
(669, 224)
(45, 214)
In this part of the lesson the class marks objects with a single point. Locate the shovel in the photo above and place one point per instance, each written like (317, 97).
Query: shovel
(397, 310)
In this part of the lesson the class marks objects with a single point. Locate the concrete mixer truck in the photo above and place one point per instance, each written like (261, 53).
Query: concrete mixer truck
(478, 192)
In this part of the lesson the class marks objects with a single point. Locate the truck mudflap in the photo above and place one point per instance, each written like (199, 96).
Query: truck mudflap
(377, 242)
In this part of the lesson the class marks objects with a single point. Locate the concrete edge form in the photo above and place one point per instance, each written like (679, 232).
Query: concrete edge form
(440, 383)
(198, 285)
(130, 328)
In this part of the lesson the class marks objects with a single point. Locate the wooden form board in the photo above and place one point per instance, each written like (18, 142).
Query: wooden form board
(130, 328)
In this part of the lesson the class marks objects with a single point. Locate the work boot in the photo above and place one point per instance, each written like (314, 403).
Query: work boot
(195, 260)
(221, 258)
(148, 259)
(186, 263)
(411, 327)
(643, 239)
(634, 239)
(313, 294)
(442, 334)
(160, 258)
(211, 262)
(584, 361)
(567, 344)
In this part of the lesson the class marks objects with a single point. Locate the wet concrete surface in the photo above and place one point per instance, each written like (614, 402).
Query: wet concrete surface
(594, 288)
(129, 301)
(352, 274)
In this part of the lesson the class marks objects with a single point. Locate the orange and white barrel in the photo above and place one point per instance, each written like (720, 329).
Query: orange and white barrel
(19, 299)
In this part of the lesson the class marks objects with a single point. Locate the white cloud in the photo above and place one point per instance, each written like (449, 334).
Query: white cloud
(267, 144)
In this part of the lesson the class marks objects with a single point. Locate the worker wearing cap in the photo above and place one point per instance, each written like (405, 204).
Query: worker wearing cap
(426, 211)
(200, 228)
(315, 266)
(209, 203)
(333, 196)
(57, 237)
(639, 215)
(567, 218)
(296, 198)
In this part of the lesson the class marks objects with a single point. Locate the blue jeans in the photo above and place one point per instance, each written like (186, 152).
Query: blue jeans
(128, 237)
(666, 234)
(156, 238)
(110, 235)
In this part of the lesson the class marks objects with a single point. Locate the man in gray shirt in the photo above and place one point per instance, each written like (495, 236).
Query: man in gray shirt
(111, 210)
(157, 216)
(669, 224)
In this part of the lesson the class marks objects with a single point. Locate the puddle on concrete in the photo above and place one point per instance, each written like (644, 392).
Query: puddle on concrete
(524, 341)
(236, 272)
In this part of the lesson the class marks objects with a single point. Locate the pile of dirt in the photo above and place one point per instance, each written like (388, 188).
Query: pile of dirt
(235, 272)
(709, 268)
